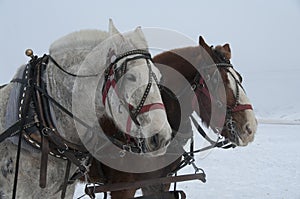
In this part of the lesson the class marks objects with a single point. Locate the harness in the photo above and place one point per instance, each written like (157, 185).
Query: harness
(113, 74)
(198, 85)
(35, 125)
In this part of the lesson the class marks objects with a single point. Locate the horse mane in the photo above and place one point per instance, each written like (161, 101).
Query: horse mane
(71, 50)
(79, 40)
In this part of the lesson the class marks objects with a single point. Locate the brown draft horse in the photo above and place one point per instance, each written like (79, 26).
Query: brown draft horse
(239, 125)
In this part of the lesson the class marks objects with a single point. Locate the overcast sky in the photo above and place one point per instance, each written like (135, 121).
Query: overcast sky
(264, 35)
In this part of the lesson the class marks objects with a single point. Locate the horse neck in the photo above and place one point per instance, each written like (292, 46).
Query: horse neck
(181, 60)
(59, 87)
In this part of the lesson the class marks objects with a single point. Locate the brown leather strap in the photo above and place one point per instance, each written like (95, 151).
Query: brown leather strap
(65, 184)
(44, 162)
(142, 183)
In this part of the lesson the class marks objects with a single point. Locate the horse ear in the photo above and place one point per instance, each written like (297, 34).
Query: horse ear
(139, 31)
(203, 44)
(112, 29)
(227, 48)
(139, 38)
(227, 51)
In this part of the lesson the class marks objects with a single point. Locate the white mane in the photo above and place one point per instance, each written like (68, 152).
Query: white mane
(79, 40)
(69, 51)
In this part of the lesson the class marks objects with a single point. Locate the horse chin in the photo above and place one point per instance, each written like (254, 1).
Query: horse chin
(245, 140)
(156, 150)
(240, 142)
(239, 139)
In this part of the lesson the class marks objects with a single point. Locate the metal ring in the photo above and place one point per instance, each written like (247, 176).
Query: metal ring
(193, 87)
(30, 82)
(219, 104)
(45, 131)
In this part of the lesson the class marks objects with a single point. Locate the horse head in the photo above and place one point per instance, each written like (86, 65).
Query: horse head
(205, 81)
(240, 123)
(130, 94)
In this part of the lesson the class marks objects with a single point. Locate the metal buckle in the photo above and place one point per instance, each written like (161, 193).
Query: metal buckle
(45, 131)
(62, 151)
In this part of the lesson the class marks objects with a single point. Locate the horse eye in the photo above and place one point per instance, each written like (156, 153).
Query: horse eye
(131, 77)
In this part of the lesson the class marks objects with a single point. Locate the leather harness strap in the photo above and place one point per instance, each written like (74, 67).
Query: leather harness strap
(149, 182)
(27, 91)
(50, 142)
(44, 141)
(36, 127)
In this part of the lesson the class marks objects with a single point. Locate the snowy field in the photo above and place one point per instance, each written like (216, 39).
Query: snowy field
(267, 168)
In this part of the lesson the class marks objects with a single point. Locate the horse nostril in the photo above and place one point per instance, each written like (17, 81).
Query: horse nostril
(167, 143)
(248, 129)
(155, 140)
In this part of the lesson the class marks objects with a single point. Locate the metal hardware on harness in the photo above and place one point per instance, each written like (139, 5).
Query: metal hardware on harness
(178, 194)
(45, 131)
(90, 190)
(220, 143)
(29, 53)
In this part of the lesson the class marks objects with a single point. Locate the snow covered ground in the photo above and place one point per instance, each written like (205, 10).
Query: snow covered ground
(267, 168)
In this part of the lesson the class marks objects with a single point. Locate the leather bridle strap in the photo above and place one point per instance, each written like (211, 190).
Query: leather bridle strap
(242, 107)
(149, 107)
(144, 109)
(113, 74)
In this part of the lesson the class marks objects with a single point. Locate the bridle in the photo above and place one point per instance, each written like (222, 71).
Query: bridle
(113, 74)
(37, 117)
(199, 86)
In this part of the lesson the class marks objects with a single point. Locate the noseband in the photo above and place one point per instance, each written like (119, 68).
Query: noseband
(114, 73)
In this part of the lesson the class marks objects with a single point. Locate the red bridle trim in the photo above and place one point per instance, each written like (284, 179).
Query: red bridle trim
(151, 107)
(128, 125)
(146, 108)
(108, 84)
(204, 90)
(242, 107)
